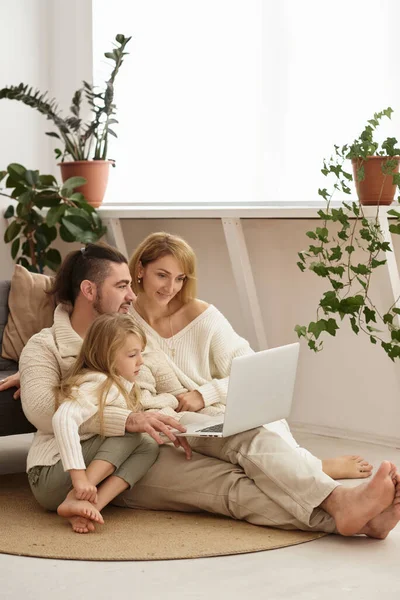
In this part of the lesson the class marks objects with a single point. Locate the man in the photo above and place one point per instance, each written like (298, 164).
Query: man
(96, 280)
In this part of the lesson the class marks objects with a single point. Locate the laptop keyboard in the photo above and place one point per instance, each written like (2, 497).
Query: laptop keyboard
(213, 428)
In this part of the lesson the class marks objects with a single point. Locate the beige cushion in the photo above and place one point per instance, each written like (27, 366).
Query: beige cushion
(31, 309)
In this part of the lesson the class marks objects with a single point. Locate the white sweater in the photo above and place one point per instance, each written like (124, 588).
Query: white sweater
(71, 422)
(204, 351)
(43, 362)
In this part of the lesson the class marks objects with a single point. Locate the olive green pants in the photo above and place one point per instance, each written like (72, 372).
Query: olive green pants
(132, 456)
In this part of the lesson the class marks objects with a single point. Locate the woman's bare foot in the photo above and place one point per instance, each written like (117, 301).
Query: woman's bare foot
(79, 513)
(353, 508)
(379, 527)
(346, 467)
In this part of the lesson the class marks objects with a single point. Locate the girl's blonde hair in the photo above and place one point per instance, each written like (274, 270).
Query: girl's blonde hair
(104, 338)
(160, 244)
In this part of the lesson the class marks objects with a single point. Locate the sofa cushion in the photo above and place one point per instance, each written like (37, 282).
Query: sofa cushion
(30, 310)
(4, 292)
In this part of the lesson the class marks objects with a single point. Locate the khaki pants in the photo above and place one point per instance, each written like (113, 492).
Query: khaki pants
(132, 456)
(254, 476)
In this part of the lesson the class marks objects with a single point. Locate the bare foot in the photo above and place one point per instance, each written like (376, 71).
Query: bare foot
(379, 527)
(80, 513)
(347, 467)
(81, 524)
(353, 508)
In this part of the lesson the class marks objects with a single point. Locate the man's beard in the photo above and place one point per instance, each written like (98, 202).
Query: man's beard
(98, 304)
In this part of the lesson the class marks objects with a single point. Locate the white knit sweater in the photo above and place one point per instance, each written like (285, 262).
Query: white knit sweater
(204, 351)
(43, 362)
(71, 421)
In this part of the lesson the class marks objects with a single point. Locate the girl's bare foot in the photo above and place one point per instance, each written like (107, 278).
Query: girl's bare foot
(346, 467)
(81, 524)
(79, 513)
(379, 527)
(353, 508)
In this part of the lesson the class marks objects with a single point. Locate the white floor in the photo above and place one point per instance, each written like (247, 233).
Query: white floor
(330, 568)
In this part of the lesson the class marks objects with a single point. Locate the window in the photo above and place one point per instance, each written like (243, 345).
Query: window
(239, 101)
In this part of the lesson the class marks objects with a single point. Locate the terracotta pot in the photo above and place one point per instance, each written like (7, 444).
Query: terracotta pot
(96, 174)
(376, 188)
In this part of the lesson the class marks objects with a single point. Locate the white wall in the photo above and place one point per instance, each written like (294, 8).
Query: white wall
(48, 44)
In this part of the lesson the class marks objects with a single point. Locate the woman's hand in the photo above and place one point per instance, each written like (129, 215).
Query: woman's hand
(191, 401)
(11, 381)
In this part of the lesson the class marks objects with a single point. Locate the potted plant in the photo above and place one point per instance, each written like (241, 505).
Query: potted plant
(85, 143)
(31, 232)
(349, 244)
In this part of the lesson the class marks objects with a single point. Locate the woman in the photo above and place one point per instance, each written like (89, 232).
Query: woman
(196, 339)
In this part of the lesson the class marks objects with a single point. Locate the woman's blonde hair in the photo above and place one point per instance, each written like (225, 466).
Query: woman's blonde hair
(160, 244)
(104, 338)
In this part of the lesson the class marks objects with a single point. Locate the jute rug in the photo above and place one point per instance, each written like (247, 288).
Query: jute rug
(27, 530)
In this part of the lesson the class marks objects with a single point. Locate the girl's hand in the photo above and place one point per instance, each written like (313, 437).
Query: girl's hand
(84, 490)
(191, 401)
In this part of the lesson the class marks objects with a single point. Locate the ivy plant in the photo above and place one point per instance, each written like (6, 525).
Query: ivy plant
(31, 230)
(81, 140)
(332, 254)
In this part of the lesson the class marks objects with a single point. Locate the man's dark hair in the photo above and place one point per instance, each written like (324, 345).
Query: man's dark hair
(91, 262)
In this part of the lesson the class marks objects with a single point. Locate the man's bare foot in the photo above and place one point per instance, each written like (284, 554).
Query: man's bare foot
(346, 467)
(353, 508)
(379, 527)
(79, 513)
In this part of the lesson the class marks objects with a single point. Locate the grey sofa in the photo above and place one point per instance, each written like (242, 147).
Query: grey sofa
(12, 418)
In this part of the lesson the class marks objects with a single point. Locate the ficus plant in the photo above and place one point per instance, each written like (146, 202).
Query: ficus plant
(32, 230)
(81, 140)
(347, 247)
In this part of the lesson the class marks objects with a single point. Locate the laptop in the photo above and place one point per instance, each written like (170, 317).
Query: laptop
(260, 391)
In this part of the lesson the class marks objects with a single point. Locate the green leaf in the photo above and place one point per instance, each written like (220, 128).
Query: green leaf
(9, 212)
(361, 269)
(301, 330)
(377, 263)
(31, 177)
(55, 213)
(16, 172)
(53, 259)
(311, 235)
(47, 180)
(387, 318)
(12, 231)
(49, 233)
(370, 315)
(74, 182)
(319, 269)
(15, 248)
(81, 214)
(336, 253)
(372, 339)
(301, 266)
(349, 249)
(23, 261)
(65, 235)
(354, 325)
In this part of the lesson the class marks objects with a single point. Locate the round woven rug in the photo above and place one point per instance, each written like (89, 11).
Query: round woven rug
(27, 530)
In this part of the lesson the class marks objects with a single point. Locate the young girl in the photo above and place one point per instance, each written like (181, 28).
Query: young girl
(102, 377)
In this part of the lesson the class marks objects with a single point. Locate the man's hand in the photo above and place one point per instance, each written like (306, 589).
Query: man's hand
(191, 401)
(84, 490)
(155, 423)
(11, 381)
